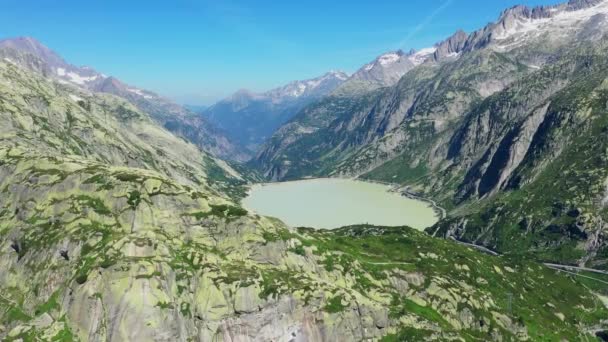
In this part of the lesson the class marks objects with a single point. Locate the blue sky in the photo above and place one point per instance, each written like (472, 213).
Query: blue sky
(199, 51)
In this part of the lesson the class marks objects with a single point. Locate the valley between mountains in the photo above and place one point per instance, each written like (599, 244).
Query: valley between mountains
(122, 215)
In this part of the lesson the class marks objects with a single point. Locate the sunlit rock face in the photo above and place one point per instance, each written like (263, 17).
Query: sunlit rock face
(487, 116)
(112, 227)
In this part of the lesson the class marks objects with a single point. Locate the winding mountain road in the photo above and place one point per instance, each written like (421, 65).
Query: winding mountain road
(560, 267)
(569, 268)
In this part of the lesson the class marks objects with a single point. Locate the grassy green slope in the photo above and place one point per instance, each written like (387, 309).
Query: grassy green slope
(112, 228)
(460, 277)
(551, 206)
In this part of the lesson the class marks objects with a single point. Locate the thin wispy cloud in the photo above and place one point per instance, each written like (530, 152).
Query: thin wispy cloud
(425, 23)
(362, 53)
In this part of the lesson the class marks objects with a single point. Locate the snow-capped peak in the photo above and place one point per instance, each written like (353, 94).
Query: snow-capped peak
(341, 75)
(518, 25)
(388, 58)
(421, 56)
(311, 87)
(386, 69)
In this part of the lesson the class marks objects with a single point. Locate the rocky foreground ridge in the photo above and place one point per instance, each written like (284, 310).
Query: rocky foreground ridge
(112, 228)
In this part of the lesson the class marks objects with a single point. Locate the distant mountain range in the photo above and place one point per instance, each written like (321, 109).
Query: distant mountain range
(251, 118)
(30, 53)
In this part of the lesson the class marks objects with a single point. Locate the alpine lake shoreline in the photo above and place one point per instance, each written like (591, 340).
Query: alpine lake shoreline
(392, 188)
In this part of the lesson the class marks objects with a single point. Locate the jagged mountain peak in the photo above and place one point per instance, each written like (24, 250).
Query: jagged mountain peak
(523, 26)
(516, 21)
(311, 87)
(386, 69)
(85, 76)
(452, 46)
(543, 12)
(574, 5)
(522, 11)
(24, 43)
(34, 47)
(53, 64)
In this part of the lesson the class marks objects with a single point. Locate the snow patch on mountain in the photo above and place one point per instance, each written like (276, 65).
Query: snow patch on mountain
(139, 92)
(388, 58)
(341, 75)
(75, 77)
(298, 90)
(79, 79)
(315, 86)
(422, 56)
(522, 27)
(384, 60)
(386, 69)
(316, 82)
(561, 22)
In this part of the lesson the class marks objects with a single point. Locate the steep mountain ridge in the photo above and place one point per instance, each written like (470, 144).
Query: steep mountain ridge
(462, 126)
(112, 228)
(555, 143)
(522, 26)
(340, 125)
(30, 53)
(98, 127)
(314, 87)
(385, 70)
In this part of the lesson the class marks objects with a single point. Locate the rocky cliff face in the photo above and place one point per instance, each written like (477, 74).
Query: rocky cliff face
(337, 128)
(549, 151)
(487, 115)
(452, 46)
(113, 228)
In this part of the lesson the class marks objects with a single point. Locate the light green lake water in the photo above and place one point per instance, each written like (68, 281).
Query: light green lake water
(333, 203)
